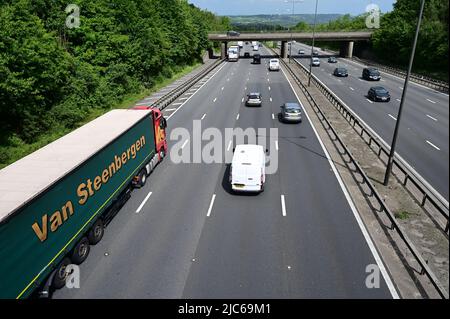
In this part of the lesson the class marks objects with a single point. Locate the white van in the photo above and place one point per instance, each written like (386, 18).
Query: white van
(274, 65)
(255, 48)
(247, 172)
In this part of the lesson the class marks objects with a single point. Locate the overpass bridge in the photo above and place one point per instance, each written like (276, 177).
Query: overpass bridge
(346, 38)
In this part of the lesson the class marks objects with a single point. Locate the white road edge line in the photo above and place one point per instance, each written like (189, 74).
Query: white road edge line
(143, 202)
(361, 225)
(211, 205)
(187, 99)
(283, 206)
(433, 145)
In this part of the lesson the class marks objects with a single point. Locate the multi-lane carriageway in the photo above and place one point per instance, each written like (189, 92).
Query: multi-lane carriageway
(423, 137)
(184, 235)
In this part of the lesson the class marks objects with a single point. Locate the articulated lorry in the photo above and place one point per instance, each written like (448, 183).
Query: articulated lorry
(55, 202)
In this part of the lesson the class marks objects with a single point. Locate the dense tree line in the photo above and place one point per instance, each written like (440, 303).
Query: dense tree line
(392, 42)
(51, 74)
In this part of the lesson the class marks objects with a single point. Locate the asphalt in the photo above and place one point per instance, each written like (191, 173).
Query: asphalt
(183, 245)
(423, 139)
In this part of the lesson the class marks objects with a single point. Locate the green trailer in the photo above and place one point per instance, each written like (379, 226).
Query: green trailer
(53, 201)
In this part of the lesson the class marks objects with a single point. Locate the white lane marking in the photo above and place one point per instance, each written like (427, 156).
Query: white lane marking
(211, 205)
(237, 117)
(184, 98)
(352, 89)
(270, 99)
(433, 145)
(431, 101)
(189, 93)
(269, 88)
(169, 110)
(283, 206)
(223, 88)
(273, 116)
(268, 80)
(400, 87)
(215, 99)
(179, 103)
(184, 144)
(361, 225)
(229, 145)
(360, 80)
(143, 103)
(393, 117)
(203, 116)
(228, 79)
(434, 119)
(143, 202)
(369, 101)
(398, 100)
(276, 144)
(245, 88)
(242, 100)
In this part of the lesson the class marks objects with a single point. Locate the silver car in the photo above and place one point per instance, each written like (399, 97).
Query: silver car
(253, 99)
(291, 112)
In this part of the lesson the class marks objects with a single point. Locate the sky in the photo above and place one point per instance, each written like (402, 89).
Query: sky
(251, 7)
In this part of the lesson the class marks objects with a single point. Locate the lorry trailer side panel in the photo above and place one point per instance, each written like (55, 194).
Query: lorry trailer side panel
(37, 237)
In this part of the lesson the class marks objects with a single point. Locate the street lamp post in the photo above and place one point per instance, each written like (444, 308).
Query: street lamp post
(312, 48)
(405, 88)
(290, 28)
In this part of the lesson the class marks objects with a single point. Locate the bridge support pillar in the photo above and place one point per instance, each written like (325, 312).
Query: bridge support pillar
(223, 50)
(346, 50)
(284, 49)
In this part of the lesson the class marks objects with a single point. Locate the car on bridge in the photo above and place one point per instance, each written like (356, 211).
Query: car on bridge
(340, 72)
(379, 93)
(247, 170)
(371, 74)
(315, 62)
(254, 99)
(232, 33)
(315, 52)
(332, 59)
(291, 112)
(301, 51)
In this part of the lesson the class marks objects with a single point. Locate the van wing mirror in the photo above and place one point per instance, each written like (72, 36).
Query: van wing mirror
(163, 123)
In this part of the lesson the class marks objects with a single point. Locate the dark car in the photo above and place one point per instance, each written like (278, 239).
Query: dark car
(246, 54)
(233, 34)
(257, 58)
(340, 72)
(371, 74)
(379, 93)
(332, 59)
(291, 112)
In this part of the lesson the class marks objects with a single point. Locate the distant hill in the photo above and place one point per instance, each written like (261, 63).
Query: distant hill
(284, 20)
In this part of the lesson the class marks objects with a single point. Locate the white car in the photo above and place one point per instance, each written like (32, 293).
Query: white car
(274, 65)
(247, 171)
(315, 62)
(255, 48)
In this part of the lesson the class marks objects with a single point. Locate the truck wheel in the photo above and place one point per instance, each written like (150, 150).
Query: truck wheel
(142, 178)
(81, 251)
(96, 232)
(59, 280)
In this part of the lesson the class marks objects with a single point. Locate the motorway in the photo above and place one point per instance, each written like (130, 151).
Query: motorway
(184, 235)
(424, 135)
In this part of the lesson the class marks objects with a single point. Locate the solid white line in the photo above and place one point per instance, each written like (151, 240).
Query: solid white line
(273, 116)
(143, 202)
(361, 225)
(276, 144)
(229, 145)
(283, 206)
(184, 144)
(203, 116)
(393, 117)
(215, 99)
(434, 119)
(237, 117)
(431, 101)
(211, 205)
(433, 145)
